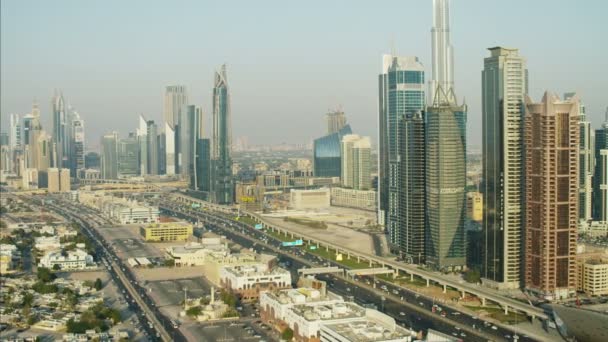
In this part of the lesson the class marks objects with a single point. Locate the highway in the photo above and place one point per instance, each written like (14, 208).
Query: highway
(412, 311)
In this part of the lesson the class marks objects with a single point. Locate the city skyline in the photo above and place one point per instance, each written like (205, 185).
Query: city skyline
(129, 88)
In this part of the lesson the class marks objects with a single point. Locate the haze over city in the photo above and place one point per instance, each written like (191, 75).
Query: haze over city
(289, 62)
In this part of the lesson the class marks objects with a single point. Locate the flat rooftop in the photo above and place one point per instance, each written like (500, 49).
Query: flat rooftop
(365, 330)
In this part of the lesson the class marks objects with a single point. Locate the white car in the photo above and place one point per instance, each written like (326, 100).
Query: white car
(402, 313)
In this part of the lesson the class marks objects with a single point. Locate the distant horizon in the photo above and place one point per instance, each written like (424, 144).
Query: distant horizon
(288, 64)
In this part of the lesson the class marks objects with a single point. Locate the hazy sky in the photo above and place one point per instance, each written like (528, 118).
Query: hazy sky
(288, 61)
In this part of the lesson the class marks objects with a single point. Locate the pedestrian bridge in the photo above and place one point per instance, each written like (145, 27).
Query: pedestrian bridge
(370, 271)
(320, 270)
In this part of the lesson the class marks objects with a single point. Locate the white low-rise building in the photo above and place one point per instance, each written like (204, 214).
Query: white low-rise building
(249, 280)
(309, 199)
(47, 243)
(313, 313)
(72, 260)
(374, 327)
(351, 198)
(197, 254)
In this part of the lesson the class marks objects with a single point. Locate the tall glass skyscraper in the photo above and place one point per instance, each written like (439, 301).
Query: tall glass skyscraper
(222, 183)
(60, 125)
(504, 85)
(128, 151)
(445, 156)
(109, 156)
(174, 114)
(401, 95)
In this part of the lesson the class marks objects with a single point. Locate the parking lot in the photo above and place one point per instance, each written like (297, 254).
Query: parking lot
(171, 292)
(226, 331)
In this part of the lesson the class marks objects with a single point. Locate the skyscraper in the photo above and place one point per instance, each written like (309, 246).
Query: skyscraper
(222, 183)
(152, 148)
(76, 156)
(600, 178)
(443, 56)
(327, 153)
(200, 179)
(552, 151)
(176, 100)
(411, 219)
(109, 156)
(445, 156)
(60, 127)
(335, 121)
(401, 95)
(586, 163)
(127, 157)
(169, 149)
(142, 137)
(356, 162)
(14, 133)
(504, 85)
(194, 134)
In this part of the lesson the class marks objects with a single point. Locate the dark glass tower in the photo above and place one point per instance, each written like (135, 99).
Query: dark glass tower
(327, 153)
(445, 183)
(200, 177)
(401, 95)
(222, 182)
(600, 177)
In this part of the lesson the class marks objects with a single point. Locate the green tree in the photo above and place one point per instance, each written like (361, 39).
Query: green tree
(170, 262)
(45, 275)
(98, 284)
(56, 267)
(229, 298)
(194, 311)
(287, 334)
(472, 276)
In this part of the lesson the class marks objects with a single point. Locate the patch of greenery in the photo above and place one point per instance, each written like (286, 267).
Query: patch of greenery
(287, 334)
(229, 298)
(194, 311)
(472, 276)
(95, 318)
(44, 288)
(45, 275)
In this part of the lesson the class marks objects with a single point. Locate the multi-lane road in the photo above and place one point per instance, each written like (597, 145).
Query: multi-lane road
(407, 307)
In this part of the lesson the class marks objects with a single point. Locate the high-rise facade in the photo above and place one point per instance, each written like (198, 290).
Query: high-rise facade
(222, 183)
(142, 137)
(401, 94)
(14, 134)
(600, 178)
(335, 121)
(176, 101)
(128, 156)
(109, 156)
(412, 195)
(60, 127)
(169, 149)
(586, 162)
(551, 206)
(152, 148)
(504, 85)
(356, 162)
(200, 179)
(327, 153)
(445, 156)
(76, 156)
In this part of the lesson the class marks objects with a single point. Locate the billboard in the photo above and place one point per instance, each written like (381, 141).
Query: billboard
(293, 243)
(258, 226)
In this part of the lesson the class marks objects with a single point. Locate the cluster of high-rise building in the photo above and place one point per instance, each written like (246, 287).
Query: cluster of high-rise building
(178, 148)
(544, 170)
(29, 151)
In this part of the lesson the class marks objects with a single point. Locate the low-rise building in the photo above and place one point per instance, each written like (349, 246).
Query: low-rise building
(351, 198)
(249, 280)
(309, 199)
(120, 209)
(374, 327)
(47, 243)
(592, 276)
(72, 260)
(7, 253)
(197, 254)
(167, 231)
